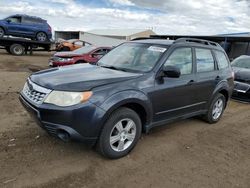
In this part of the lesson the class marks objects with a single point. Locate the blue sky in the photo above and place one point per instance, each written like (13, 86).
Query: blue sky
(163, 16)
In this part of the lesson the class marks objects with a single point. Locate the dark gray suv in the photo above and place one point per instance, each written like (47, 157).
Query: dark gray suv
(135, 87)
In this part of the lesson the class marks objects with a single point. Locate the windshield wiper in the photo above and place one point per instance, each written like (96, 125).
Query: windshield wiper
(113, 67)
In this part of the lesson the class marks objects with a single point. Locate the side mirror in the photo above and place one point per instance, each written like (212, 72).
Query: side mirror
(8, 21)
(171, 71)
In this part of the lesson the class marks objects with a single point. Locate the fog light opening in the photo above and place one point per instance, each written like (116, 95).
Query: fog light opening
(63, 135)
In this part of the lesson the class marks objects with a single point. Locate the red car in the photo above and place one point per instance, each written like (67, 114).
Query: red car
(86, 54)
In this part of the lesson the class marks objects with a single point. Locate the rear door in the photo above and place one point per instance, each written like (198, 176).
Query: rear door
(14, 25)
(208, 75)
(30, 25)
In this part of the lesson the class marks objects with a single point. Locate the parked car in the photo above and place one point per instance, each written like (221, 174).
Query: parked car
(138, 85)
(71, 45)
(241, 67)
(86, 54)
(21, 25)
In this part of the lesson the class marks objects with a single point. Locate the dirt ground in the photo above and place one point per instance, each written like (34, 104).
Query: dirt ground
(189, 153)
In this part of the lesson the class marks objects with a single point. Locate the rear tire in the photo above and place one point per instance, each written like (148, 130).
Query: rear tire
(120, 133)
(216, 109)
(17, 49)
(41, 36)
(2, 32)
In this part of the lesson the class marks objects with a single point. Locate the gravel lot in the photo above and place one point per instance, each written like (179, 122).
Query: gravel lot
(189, 153)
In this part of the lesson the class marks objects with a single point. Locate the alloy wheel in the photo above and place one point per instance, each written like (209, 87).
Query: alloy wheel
(217, 109)
(41, 36)
(122, 135)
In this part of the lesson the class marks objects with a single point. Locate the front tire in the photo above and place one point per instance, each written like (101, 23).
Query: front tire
(120, 133)
(216, 109)
(7, 48)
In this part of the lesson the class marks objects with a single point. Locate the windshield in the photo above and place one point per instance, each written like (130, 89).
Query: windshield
(133, 57)
(242, 63)
(84, 50)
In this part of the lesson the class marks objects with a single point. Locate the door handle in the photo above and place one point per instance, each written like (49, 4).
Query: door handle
(191, 82)
(217, 78)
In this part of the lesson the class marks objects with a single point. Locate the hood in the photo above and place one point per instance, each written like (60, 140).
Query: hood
(242, 74)
(66, 54)
(80, 77)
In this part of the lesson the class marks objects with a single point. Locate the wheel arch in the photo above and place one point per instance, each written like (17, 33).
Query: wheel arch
(140, 105)
(3, 28)
(222, 88)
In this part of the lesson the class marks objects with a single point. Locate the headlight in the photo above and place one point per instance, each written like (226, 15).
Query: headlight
(65, 59)
(64, 98)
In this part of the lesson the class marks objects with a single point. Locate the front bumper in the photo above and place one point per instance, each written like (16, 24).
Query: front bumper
(81, 122)
(241, 91)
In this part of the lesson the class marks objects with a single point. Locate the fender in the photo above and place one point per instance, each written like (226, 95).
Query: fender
(125, 97)
(222, 85)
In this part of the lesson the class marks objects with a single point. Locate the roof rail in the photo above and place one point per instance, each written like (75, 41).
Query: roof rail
(141, 38)
(206, 42)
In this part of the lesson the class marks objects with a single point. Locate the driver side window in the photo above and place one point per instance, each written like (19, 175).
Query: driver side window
(182, 59)
(15, 19)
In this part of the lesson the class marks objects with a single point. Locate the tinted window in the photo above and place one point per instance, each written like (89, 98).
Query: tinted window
(79, 43)
(32, 20)
(204, 60)
(84, 50)
(15, 19)
(181, 58)
(100, 51)
(222, 60)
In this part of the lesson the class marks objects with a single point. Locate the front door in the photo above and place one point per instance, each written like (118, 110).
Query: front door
(14, 25)
(175, 97)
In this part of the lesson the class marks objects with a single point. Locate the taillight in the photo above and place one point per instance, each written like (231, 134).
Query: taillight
(49, 29)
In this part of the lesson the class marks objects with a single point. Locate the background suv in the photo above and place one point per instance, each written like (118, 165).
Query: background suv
(135, 87)
(25, 26)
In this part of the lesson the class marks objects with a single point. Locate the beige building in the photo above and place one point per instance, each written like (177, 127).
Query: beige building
(123, 34)
(104, 37)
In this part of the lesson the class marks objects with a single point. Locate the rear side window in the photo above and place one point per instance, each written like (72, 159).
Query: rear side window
(222, 60)
(182, 59)
(204, 60)
(32, 20)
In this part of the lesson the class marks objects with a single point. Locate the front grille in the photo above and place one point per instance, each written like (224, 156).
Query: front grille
(34, 93)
